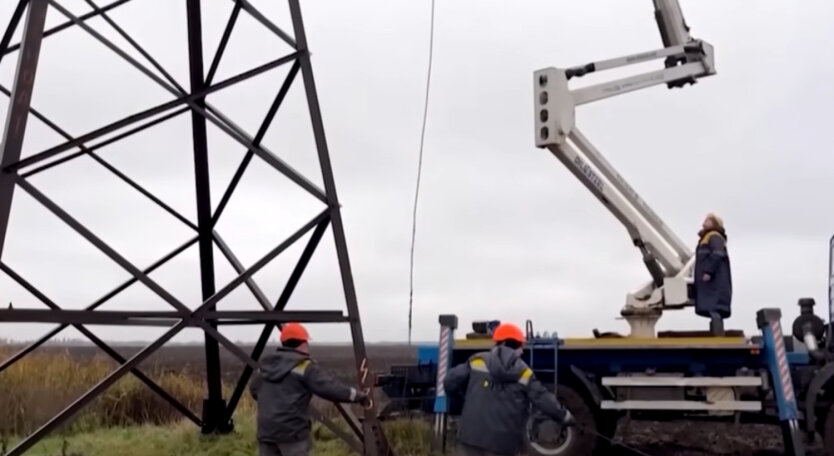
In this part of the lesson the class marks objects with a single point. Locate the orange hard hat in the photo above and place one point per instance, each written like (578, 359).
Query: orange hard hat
(294, 331)
(508, 331)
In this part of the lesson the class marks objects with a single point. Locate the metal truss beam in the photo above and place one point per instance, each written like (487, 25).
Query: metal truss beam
(14, 172)
(159, 318)
(370, 423)
(214, 405)
(98, 303)
(62, 26)
(18, 114)
(57, 316)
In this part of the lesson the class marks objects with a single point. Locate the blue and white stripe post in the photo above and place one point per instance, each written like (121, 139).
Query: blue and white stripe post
(769, 321)
(448, 325)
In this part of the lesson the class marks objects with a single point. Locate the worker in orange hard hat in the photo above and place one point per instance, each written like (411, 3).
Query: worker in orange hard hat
(283, 387)
(499, 388)
(712, 279)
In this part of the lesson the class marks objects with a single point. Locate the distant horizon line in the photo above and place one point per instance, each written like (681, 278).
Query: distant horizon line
(134, 343)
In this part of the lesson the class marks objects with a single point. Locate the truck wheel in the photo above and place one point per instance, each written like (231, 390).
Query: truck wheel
(546, 438)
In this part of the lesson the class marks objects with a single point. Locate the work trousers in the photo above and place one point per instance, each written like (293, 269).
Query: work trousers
(466, 450)
(302, 448)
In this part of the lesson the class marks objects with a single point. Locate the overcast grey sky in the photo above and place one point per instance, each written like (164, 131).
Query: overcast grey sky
(504, 230)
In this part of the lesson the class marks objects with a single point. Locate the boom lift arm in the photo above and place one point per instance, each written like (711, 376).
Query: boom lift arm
(667, 258)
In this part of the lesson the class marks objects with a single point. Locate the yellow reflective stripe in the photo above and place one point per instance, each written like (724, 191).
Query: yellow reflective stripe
(525, 376)
(479, 365)
(301, 367)
(709, 235)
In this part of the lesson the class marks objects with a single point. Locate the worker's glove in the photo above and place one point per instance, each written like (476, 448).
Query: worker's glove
(568, 420)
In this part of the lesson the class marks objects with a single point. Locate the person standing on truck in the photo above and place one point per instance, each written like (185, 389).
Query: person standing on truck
(713, 282)
(499, 388)
(283, 387)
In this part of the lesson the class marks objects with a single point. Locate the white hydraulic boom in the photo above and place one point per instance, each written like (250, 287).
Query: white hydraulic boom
(667, 258)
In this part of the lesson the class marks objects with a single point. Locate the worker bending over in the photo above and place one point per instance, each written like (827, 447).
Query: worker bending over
(283, 387)
(713, 282)
(499, 389)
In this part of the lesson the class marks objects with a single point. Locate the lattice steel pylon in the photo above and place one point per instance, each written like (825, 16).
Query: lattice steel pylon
(217, 413)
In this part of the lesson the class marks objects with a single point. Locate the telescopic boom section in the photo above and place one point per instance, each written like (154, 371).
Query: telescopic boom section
(667, 258)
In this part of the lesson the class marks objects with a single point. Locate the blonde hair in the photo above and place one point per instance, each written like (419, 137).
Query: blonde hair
(715, 218)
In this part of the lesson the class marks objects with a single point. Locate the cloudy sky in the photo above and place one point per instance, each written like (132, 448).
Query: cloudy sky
(504, 230)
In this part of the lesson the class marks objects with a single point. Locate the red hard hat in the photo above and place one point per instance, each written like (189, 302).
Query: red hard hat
(508, 331)
(294, 331)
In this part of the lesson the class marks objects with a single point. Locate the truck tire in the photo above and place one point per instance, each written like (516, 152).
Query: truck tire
(578, 441)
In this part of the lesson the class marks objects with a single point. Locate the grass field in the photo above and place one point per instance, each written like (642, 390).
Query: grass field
(409, 438)
(129, 419)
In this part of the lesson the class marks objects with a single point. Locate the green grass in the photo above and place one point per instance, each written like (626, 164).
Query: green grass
(409, 438)
(130, 420)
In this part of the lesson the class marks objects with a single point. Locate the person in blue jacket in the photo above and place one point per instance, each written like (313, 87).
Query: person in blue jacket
(283, 386)
(498, 388)
(712, 279)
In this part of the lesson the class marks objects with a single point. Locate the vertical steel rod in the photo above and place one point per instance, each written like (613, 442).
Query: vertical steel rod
(375, 442)
(18, 114)
(214, 406)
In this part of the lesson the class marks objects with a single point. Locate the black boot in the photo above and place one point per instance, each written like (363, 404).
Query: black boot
(716, 325)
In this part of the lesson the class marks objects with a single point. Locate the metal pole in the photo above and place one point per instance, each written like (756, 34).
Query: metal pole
(375, 441)
(556, 343)
(445, 349)
(780, 372)
(18, 114)
(214, 406)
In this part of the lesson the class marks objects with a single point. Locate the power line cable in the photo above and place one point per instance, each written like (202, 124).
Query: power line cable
(419, 176)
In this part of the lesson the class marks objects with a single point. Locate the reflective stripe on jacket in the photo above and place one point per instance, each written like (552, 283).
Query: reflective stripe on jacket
(716, 294)
(499, 387)
(283, 387)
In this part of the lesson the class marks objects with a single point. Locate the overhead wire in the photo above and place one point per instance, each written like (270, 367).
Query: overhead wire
(419, 174)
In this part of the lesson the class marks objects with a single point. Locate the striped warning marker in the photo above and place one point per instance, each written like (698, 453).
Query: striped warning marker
(443, 362)
(782, 361)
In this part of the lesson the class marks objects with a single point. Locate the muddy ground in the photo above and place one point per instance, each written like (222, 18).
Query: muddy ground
(703, 439)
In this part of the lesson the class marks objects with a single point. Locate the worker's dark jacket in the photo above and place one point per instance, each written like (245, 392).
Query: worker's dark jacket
(711, 258)
(499, 388)
(283, 387)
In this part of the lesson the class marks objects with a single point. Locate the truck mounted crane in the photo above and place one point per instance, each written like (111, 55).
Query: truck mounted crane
(668, 260)
(777, 376)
